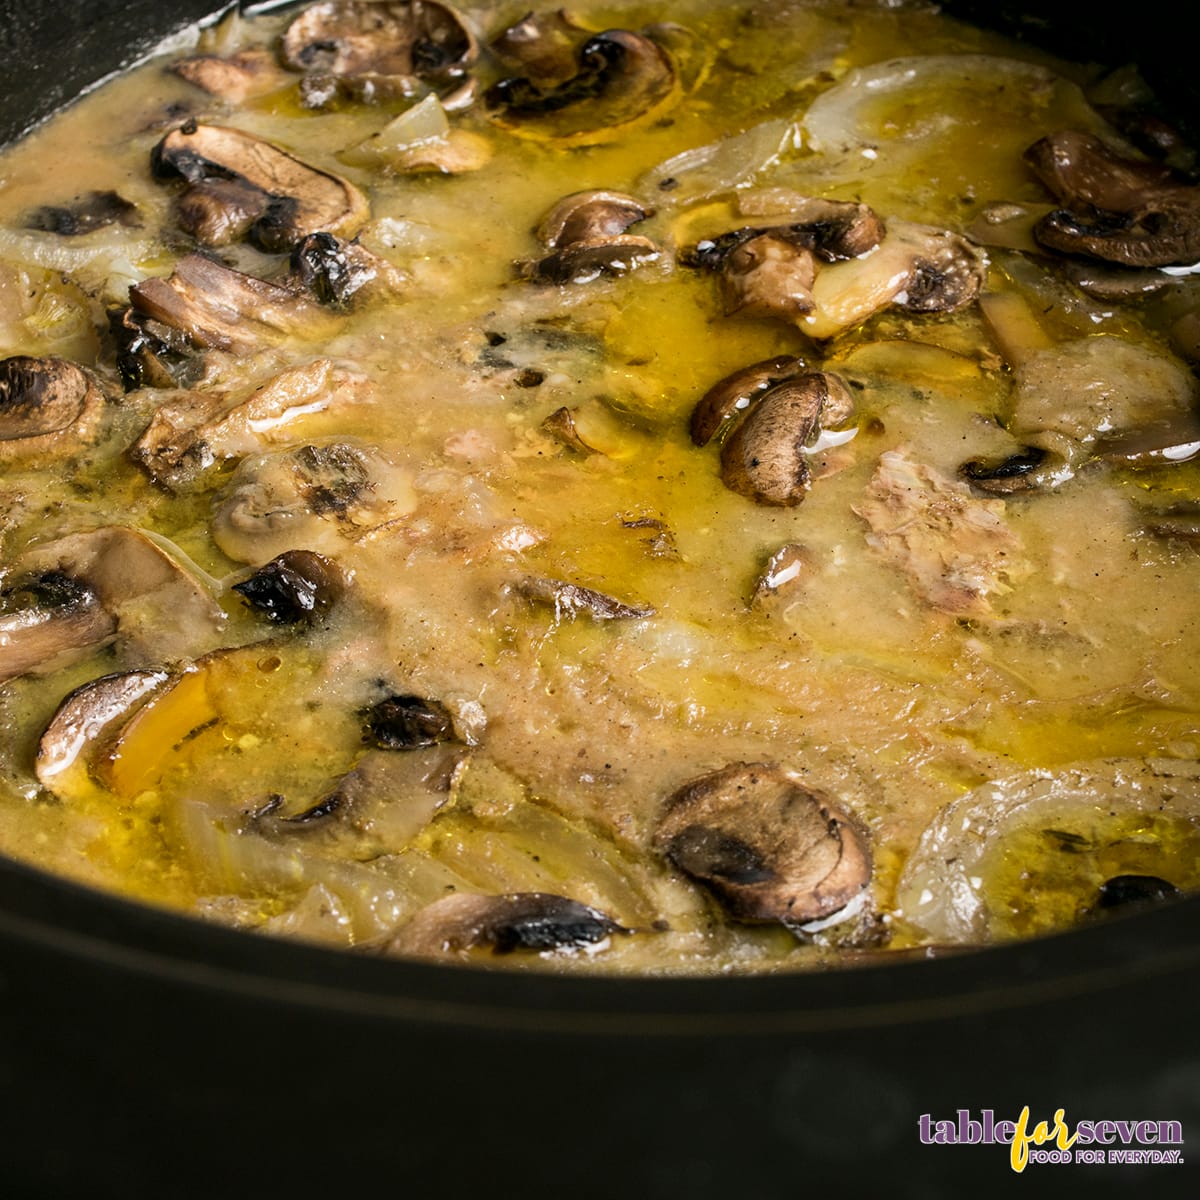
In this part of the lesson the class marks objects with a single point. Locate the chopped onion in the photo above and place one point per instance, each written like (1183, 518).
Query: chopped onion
(841, 119)
(719, 167)
(425, 122)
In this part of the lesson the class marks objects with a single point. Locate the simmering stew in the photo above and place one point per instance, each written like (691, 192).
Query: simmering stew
(691, 487)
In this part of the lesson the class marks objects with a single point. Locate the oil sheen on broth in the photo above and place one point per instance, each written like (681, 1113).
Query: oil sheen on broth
(689, 488)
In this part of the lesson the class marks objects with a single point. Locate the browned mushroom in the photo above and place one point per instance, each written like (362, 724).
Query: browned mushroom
(407, 722)
(581, 262)
(535, 921)
(766, 458)
(768, 276)
(827, 275)
(337, 272)
(586, 234)
(240, 77)
(83, 590)
(48, 406)
(47, 620)
(1118, 209)
(541, 46)
(570, 600)
(297, 587)
(770, 848)
(621, 78)
(82, 717)
(218, 212)
(584, 216)
(400, 38)
(219, 308)
(732, 395)
(301, 199)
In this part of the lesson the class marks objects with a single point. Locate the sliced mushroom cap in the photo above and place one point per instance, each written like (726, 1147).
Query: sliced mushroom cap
(408, 723)
(1117, 209)
(302, 199)
(769, 848)
(734, 394)
(622, 78)
(219, 308)
(249, 73)
(535, 921)
(586, 232)
(768, 276)
(541, 46)
(48, 620)
(583, 216)
(83, 716)
(48, 406)
(581, 262)
(219, 212)
(766, 458)
(336, 271)
(320, 496)
(401, 37)
(570, 600)
(81, 591)
(298, 587)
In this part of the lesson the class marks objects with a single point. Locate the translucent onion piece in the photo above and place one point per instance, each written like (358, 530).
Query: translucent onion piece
(948, 888)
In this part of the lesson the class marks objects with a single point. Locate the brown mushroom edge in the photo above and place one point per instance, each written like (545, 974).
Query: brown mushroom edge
(769, 848)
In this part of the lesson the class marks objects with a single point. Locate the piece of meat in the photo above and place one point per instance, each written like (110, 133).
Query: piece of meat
(955, 550)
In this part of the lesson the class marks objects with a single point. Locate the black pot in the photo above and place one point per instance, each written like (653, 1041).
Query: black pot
(143, 1054)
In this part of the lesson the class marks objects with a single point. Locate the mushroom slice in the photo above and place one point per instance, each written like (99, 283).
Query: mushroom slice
(587, 233)
(403, 37)
(535, 921)
(408, 723)
(94, 211)
(768, 276)
(541, 46)
(236, 79)
(584, 216)
(318, 495)
(768, 847)
(735, 393)
(158, 603)
(569, 600)
(766, 457)
(303, 200)
(49, 619)
(83, 716)
(1118, 209)
(219, 308)
(622, 78)
(48, 406)
(581, 262)
(298, 587)
(336, 271)
(219, 212)
(1069, 395)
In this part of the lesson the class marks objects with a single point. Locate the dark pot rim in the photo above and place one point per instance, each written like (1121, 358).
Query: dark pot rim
(118, 937)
